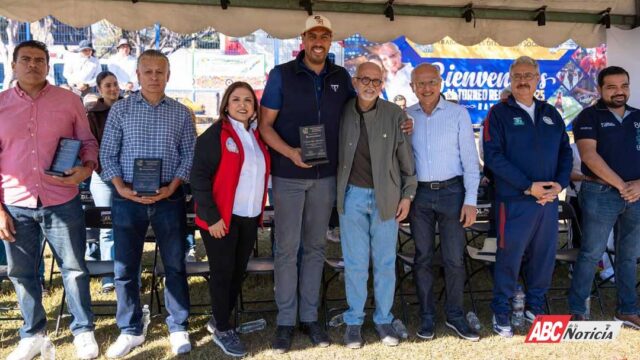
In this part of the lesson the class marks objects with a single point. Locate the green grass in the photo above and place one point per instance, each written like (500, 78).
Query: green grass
(444, 346)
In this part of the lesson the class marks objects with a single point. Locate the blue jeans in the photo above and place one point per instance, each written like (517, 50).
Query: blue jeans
(102, 194)
(602, 209)
(365, 235)
(63, 227)
(130, 222)
(442, 207)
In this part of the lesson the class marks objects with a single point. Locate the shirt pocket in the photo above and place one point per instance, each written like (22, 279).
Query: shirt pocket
(57, 122)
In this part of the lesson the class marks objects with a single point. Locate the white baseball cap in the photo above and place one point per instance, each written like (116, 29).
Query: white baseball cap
(317, 21)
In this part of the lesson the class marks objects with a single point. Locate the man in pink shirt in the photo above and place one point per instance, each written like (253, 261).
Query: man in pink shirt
(34, 115)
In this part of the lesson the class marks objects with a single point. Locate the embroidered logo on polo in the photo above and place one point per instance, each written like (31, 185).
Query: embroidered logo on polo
(231, 145)
(517, 121)
(547, 120)
(335, 87)
(607, 124)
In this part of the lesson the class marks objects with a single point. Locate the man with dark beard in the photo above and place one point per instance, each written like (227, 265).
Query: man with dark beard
(527, 149)
(309, 90)
(608, 138)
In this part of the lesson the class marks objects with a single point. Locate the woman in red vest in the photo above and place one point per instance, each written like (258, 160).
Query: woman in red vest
(229, 184)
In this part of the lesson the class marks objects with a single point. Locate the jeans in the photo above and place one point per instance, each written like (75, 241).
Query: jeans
(364, 234)
(63, 227)
(302, 211)
(602, 209)
(102, 194)
(442, 207)
(130, 223)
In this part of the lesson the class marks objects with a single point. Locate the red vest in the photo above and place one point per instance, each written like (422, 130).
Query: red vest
(225, 181)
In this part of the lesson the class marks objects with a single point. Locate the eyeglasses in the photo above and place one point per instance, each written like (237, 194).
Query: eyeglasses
(366, 80)
(526, 76)
(430, 83)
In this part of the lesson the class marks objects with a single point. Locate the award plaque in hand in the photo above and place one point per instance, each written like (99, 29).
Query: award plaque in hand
(313, 145)
(65, 157)
(146, 176)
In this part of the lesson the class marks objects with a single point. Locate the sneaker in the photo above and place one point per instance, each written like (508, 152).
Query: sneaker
(333, 235)
(108, 288)
(190, 255)
(628, 320)
(282, 342)
(27, 348)
(211, 325)
(229, 342)
(86, 346)
(426, 331)
(387, 334)
(353, 337)
(123, 345)
(462, 328)
(502, 325)
(316, 333)
(180, 343)
(531, 313)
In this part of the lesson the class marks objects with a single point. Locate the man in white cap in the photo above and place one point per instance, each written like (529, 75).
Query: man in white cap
(123, 66)
(309, 90)
(82, 71)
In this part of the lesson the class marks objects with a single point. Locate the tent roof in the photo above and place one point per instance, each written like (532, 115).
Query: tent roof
(423, 21)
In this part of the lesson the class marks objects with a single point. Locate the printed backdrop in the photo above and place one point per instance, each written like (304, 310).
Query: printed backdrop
(475, 75)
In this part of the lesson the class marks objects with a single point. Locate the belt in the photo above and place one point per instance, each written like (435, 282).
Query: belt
(596, 180)
(437, 185)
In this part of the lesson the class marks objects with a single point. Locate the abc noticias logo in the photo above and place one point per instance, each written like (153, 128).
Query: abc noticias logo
(560, 328)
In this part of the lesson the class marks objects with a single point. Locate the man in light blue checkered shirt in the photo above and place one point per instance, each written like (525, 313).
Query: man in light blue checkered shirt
(149, 125)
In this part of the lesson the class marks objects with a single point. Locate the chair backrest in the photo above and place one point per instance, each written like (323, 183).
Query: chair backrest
(100, 218)
(567, 213)
(484, 211)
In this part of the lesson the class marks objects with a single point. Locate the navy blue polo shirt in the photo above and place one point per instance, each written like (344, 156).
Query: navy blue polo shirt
(272, 95)
(618, 142)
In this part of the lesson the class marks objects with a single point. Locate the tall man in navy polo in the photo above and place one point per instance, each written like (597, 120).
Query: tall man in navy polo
(608, 138)
(527, 149)
(149, 125)
(309, 90)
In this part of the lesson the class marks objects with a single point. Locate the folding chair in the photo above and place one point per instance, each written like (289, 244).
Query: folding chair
(566, 255)
(98, 218)
(195, 268)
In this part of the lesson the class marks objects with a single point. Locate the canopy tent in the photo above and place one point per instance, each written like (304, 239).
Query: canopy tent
(424, 21)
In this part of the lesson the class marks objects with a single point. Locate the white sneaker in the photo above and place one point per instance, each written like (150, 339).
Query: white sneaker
(190, 256)
(86, 346)
(180, 343)
(27, 348)
(123, 345)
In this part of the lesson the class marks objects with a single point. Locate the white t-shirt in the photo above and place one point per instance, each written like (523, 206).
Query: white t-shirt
(531, 110)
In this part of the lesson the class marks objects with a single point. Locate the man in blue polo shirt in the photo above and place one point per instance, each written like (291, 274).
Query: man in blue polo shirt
(608, 138)
(309, 90)
(527, 149)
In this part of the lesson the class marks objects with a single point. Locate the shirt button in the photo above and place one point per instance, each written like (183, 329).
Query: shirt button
(34, 169)
(37, 185)
(350, 144)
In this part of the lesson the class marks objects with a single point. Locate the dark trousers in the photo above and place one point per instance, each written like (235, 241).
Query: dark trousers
(228, 258)
(527, 239)
(443, 207)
